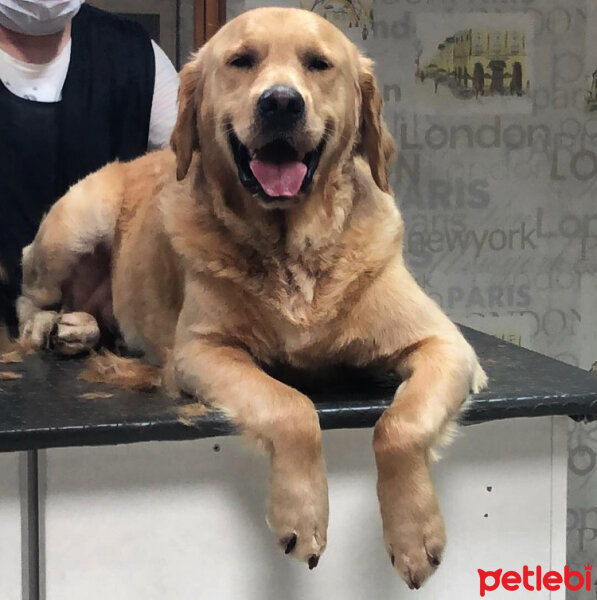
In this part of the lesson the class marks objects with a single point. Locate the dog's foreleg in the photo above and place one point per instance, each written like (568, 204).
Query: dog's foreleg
(283, 421)
(438, 376)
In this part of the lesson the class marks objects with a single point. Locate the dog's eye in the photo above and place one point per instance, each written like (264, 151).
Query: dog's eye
(242, 61)
(316, 63)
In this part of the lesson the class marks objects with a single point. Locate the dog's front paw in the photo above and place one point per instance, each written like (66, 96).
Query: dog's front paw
(480, 380)
(413, 527)
(298, 510)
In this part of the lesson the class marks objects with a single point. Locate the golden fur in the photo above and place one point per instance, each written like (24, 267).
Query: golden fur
(206, 271)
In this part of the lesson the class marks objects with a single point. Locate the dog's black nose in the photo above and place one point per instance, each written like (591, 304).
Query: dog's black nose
(281, 106)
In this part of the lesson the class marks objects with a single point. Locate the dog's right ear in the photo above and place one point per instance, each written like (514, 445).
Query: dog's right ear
(185, 137)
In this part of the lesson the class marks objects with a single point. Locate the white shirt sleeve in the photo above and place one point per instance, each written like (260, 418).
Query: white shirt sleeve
(164, 106)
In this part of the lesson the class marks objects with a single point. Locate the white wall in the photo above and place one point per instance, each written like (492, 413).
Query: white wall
(179, 520)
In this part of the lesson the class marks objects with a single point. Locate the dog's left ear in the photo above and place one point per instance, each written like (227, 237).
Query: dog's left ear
(375, 143)
(185, 137)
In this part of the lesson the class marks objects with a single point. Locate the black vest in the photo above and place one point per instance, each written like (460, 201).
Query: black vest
(46, 147)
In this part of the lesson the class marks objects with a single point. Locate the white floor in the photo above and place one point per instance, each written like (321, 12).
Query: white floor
(182, 521)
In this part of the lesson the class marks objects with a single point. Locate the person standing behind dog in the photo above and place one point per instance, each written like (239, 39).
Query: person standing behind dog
(79, 87)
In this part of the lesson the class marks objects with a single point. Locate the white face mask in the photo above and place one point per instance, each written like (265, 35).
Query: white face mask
(38, 17)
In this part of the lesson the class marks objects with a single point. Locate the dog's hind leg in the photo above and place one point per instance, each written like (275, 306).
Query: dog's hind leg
(68, 334)
(66, 292)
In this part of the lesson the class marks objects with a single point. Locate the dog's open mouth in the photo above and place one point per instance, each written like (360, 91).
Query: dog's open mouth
(276, 171)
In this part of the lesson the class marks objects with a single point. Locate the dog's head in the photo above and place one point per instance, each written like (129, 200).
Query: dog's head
(277, 98)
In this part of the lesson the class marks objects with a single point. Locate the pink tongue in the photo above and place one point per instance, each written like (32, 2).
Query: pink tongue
(279, 180)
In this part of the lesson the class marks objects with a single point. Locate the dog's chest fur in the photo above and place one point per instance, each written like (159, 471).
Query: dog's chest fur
(299, 288)
(292, 283)
(298, 301)
(299, 296)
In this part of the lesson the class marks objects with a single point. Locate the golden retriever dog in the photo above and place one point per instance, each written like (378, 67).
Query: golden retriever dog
(267, 234)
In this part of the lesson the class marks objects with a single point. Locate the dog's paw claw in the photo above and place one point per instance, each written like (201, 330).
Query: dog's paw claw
(413, 582)
(289, 543)
(313, 561)
(434, 556)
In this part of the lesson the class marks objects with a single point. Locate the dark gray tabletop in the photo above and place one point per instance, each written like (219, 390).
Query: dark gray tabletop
(49, 406)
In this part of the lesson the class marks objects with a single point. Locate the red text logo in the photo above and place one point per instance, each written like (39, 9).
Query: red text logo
(536, 580)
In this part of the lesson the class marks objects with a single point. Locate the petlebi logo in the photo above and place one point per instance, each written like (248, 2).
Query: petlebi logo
(534, 581)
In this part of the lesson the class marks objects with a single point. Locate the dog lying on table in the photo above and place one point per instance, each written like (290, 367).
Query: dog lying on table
(268, 233)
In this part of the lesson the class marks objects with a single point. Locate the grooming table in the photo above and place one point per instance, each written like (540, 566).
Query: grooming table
(182, 515)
